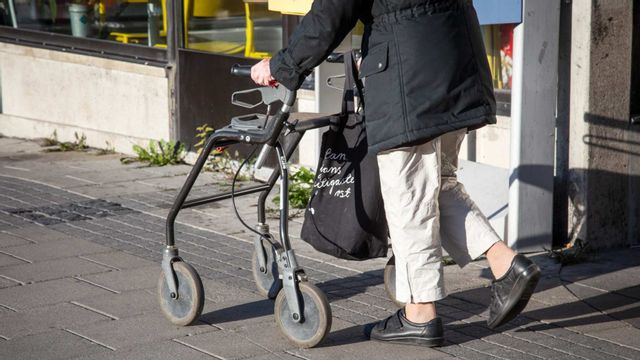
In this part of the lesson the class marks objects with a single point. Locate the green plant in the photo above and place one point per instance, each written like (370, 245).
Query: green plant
(300, 188)
(166, 153)
(220, 159)
(574, 253)
(203, 132)
(80, 144)
(109, 149)
(448, 260)
(51, 140)
(222, 162)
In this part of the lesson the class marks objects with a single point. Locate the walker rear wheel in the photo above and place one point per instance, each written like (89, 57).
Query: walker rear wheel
(268, 283)
(390, 281)
(316, 318)
(186, 309)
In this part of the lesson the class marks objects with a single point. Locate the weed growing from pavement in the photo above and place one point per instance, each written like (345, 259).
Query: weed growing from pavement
(202, 133)
(52, 143)
(574, 253)
(166, 153)
(220, 160)
(108, 149)
(300, 188)
(79, 144)
(448, 260)
(51, 140)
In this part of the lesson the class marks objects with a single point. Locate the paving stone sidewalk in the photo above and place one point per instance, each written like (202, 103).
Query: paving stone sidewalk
(80, 246)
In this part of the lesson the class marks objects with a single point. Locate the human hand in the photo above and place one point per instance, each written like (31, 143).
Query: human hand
(261, 73)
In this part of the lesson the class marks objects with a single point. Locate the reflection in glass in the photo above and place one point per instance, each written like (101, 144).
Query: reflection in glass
(242, 27)
(498, 41)
(238, 27)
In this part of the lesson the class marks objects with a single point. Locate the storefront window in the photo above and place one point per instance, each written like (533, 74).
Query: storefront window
(498, 41)
(101, 19)
(237, 27)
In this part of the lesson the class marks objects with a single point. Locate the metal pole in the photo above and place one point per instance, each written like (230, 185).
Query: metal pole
(12, 12)
(153, 10)
(174, 35)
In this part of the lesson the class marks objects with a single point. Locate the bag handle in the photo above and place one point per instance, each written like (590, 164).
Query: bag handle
(351, 83)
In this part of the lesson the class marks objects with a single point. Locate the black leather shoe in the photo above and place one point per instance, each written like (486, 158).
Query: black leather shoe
(511, 292)
(397, 329)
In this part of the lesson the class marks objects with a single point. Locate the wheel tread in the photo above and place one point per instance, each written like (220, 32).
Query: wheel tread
(194, 282)
(321, 303)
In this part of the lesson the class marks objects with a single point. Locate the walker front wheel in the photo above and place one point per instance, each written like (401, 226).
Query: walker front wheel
(187, 307)
(316, 318)
(267, 279)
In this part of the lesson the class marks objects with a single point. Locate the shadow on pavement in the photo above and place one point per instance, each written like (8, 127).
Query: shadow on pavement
(460, 311)
(350, 335)
(240, 312)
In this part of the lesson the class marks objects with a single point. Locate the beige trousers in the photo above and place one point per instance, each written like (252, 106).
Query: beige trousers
(428, 209)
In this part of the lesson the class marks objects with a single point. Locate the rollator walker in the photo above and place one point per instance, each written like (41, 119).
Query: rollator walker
(301, 309)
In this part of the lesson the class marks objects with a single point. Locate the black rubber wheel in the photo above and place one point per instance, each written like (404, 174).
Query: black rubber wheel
(390, 280)
(268, 284)
(316, 318)
(186, 309)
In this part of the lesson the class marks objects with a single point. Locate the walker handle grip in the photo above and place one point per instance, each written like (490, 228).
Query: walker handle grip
(335, 58)
(241, 70)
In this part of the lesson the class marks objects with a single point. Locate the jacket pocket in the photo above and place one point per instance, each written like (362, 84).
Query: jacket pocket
(381, 94)
(375, 61)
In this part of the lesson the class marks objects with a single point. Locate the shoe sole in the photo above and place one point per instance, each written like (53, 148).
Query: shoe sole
(522, 291)
(417, 341)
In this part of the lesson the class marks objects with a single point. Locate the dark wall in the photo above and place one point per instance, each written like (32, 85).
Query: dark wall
(635, 62)
(634, 134)
(205, 86)
(560, 190)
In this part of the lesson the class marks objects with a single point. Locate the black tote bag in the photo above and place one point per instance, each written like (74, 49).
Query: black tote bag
(345, 216)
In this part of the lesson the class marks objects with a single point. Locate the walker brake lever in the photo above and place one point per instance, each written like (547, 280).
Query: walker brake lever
(291, 126)
(331, 79)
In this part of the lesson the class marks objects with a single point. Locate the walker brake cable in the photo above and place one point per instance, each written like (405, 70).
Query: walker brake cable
(233, 185)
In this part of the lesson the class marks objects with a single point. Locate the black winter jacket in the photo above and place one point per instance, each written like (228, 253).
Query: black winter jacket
(424, 67)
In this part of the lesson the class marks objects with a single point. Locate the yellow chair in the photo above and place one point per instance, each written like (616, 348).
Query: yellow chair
(217, 46)
(491, 37)
(208, 8)
(291, 7)
(136, 38)
(202, 8)
(250, 50)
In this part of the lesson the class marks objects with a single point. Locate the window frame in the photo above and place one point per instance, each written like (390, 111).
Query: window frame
(86, 46)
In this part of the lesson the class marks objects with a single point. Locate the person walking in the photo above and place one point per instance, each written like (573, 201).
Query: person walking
(427, 83)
